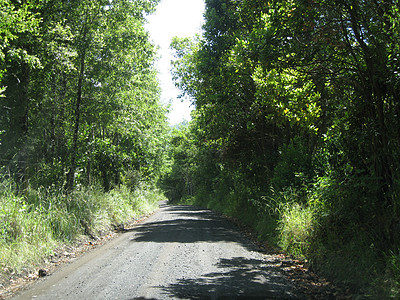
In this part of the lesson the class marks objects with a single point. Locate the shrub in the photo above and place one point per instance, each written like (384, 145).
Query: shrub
(296, 228)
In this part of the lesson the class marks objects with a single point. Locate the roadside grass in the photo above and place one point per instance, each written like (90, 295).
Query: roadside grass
(35, 223)
(307, 226)
(316, 227)
(295, 229)
(232, 205)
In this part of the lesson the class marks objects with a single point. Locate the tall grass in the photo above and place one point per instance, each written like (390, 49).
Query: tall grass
(315, 224)
(34, 223)
(319, 226)
(296, 228)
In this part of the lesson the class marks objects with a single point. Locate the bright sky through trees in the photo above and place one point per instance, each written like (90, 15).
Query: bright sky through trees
(182, 18)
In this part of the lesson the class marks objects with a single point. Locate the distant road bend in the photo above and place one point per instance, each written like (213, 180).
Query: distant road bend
(181, 252)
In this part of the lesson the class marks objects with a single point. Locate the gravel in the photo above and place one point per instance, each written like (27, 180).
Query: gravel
(180, 252)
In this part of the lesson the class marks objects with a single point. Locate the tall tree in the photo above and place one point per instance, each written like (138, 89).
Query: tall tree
(90, 88)
(272, 78)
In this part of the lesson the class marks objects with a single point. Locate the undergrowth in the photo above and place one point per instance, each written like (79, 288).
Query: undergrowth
(37, 221)
(314, 225)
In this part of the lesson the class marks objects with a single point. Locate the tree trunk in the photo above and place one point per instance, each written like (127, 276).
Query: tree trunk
(71, 173)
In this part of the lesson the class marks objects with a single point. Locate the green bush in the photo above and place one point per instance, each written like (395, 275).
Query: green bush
(294, 168)
(296, 228)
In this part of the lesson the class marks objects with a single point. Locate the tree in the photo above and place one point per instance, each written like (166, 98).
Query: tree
(289, 94)
(85, 103)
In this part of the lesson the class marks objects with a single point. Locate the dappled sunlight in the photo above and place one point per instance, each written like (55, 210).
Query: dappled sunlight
(238, 278)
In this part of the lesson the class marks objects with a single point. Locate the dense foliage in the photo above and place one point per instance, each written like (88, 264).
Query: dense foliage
(80, 98)
(297, 128)
(82, 131)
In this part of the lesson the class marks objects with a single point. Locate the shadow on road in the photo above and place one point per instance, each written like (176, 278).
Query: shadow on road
(189, 225)
(142, 298)
(235, 278)
(239, 278)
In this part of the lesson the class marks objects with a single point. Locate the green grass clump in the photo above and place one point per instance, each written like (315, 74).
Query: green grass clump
(296, 228)
(37, 221)
(25, 234)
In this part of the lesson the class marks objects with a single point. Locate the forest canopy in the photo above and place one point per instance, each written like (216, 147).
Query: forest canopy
(80, 96)
(296, 127)
(297, 119)
(83, 133)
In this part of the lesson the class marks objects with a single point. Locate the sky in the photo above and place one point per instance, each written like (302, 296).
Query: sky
(181, 18)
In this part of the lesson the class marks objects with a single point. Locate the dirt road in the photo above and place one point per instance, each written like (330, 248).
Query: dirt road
(181, 252)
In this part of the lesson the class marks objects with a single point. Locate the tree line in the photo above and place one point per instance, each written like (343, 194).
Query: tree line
(79, 94)
(83, 134)
(297, 120)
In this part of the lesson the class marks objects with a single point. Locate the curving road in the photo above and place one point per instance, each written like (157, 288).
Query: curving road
(181, 252)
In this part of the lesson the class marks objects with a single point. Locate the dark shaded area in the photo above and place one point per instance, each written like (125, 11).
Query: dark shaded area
(236, 278)
(190, 225)
(239, 278)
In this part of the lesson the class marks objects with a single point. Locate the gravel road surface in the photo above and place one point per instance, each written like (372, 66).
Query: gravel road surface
(181, 252)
